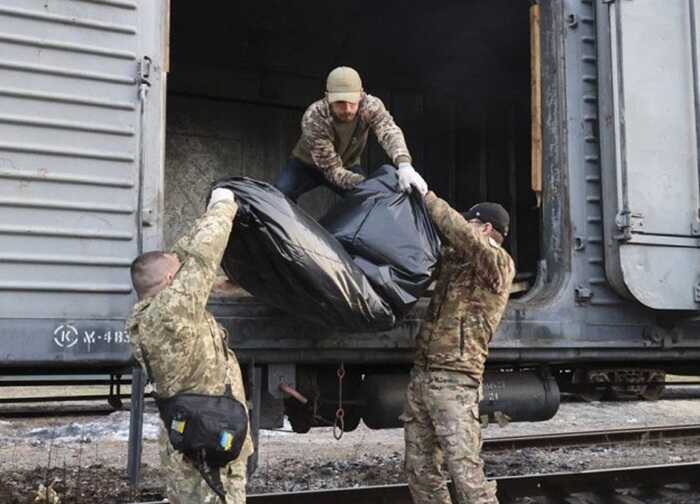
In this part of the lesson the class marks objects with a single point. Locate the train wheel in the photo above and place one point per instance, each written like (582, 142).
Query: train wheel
(653, 391)
(591, 395)
(590, 385)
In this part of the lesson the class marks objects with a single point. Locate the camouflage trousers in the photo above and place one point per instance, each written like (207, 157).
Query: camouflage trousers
(185, 485)
(441, 427)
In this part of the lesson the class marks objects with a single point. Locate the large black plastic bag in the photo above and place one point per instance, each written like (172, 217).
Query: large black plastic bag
(390, 236)
(282, 256)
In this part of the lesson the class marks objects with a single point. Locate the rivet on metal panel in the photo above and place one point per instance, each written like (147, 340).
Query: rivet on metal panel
(651, 336)
(695, 229)
(583, 294)
(571, 21)
(147, 218)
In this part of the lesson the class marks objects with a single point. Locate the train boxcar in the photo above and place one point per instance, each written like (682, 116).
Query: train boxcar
(580, 116)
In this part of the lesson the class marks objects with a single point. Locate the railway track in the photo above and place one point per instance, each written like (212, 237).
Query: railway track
(594, 487)
(77, 395)
(629, 485)
(598, 437)
(86, 405)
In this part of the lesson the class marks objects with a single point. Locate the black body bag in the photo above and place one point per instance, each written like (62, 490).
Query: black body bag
(205, 428)
(390, 236)
(364, 266)
(282, 256)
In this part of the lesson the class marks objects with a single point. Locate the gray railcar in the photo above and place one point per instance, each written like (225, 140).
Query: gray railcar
(580, 116)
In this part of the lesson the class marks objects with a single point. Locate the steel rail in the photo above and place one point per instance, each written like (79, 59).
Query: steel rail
(597, 480)
(18, 383)
(95, 411)
(557, 485)
(55, 399)
(599, 437)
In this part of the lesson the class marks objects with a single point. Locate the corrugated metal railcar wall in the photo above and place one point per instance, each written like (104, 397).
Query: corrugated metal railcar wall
(71, 126)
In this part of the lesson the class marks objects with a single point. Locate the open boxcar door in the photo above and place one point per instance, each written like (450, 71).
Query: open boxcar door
(648, 64)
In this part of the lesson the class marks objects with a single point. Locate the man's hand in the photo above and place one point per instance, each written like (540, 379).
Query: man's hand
(409, 179)
(220, 194)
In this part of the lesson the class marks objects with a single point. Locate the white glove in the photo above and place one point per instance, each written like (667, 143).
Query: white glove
(410, 178)
(220, 194)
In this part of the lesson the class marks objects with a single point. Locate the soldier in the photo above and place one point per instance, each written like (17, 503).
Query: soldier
(333, 135)
(441, 416)
(183, 350)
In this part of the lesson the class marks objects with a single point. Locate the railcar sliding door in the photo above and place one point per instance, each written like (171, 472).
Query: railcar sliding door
(648, 53)
(81, 148)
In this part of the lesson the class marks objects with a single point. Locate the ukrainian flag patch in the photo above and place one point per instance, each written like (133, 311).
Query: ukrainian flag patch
(226, 440)
(178, 426)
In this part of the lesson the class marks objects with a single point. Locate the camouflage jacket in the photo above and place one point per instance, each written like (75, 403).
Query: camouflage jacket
(472, 289)
(320, 140)
(177, 341)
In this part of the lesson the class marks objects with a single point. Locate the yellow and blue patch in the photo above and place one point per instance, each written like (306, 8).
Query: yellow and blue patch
(178, 426)
(226, 440)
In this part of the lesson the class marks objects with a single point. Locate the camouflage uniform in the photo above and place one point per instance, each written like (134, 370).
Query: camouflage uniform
(441, 417)
(320, 140)
(184, 350)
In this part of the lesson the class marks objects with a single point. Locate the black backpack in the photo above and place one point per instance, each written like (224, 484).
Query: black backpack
(203, 426)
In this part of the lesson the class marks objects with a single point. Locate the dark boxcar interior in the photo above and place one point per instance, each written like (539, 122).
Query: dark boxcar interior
(455, 75)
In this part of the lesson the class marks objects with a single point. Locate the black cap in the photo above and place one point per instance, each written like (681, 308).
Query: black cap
(492, 213)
